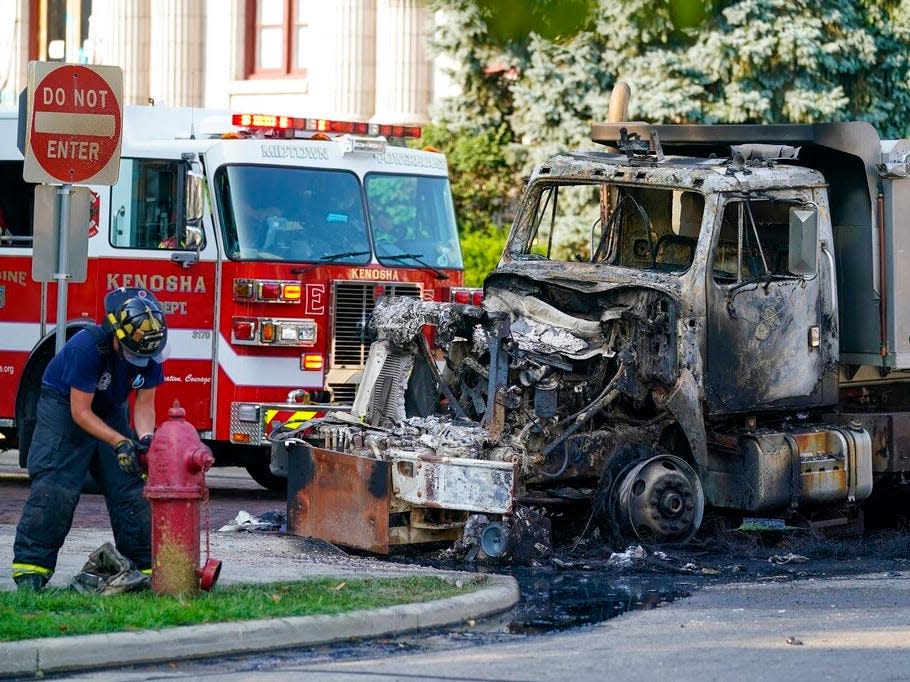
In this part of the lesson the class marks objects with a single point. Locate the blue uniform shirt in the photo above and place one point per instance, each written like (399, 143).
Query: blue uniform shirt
(81, 364)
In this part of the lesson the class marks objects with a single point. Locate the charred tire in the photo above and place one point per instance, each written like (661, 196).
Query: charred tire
(659, 500)
(620, 459)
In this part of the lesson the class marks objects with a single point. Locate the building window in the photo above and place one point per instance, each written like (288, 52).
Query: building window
(60, 30)
(278, 38)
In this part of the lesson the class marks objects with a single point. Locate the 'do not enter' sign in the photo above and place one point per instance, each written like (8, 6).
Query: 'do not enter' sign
(75, 124)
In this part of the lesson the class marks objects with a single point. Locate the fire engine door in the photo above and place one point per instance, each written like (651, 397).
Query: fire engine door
(158, 243)
(761, 320)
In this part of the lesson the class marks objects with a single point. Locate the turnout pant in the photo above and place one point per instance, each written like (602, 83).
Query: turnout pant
(60, 455)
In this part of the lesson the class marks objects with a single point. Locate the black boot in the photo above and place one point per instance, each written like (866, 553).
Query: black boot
(30, 581)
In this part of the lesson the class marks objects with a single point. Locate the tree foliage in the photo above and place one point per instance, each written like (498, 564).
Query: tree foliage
(480, 167)
(540, 80)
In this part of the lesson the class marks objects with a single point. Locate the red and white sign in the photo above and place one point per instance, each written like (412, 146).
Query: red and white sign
(75, 124)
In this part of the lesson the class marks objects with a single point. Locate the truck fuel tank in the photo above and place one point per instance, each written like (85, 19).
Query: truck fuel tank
(766, 470)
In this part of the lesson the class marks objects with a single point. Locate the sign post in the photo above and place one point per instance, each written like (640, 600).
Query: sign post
(73, 134)
(46, 246)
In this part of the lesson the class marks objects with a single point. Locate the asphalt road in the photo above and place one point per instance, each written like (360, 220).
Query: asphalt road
(839, 629)
(846, 618)
(842, 628)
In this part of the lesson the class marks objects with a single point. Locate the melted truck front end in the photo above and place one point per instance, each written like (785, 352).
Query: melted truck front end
(665, 332)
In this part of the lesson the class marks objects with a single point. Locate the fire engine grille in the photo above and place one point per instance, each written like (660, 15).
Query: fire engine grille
(344, 393)
(353, 307)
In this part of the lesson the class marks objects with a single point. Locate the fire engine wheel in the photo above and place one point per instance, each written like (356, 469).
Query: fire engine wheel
(659, 500)
(260, 472)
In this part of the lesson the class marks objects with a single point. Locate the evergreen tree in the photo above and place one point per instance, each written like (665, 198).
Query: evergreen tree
(541, 80)
(757, 61)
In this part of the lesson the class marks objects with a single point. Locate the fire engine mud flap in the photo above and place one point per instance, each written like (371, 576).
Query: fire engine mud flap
(341, 498)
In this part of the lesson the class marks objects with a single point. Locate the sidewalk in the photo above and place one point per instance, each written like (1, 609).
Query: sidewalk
(247, 558)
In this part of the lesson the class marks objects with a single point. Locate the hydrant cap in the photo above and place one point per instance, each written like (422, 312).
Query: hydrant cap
(176, 412)
(200, 459)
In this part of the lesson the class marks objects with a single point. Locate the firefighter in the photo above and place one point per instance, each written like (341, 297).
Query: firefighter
(83, 425)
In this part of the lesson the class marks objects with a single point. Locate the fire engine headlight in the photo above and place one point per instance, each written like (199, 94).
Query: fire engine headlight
(248, 413)
(306, 331)
(296, 332)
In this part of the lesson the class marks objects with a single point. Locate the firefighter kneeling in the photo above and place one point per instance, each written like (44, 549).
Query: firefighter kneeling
(83, 426)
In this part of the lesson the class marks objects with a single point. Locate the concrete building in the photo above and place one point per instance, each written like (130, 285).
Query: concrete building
(349, 59)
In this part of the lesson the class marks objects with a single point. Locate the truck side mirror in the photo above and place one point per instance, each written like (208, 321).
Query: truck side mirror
(803, 247)
(195, 198)
(192, 237)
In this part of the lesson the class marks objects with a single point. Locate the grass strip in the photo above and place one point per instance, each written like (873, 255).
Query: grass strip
(57, 612)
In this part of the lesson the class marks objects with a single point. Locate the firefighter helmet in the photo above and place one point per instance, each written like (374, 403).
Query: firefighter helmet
(134, 316)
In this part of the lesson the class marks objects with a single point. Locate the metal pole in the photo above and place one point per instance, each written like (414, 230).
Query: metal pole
(64, 192)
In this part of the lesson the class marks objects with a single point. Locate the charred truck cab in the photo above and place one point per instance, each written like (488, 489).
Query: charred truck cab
(689, 317)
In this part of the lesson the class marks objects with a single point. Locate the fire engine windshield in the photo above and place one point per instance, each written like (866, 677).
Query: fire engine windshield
(646, 228)
(413, 221)
(293, 214)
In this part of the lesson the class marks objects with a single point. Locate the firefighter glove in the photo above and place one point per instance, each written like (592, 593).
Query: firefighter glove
(127, 455)
(145, 443)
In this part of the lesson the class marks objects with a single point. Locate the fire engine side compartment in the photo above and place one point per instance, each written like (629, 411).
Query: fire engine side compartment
(340, 498)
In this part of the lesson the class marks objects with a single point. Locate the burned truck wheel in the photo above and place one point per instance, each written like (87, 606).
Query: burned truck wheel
(620, 460)
(659, 500)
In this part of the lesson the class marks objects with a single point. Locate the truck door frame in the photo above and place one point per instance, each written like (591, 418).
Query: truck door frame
(759, 330)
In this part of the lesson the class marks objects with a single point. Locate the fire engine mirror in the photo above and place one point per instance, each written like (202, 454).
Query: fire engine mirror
(194, 238)
(803, 247)
(195, 198)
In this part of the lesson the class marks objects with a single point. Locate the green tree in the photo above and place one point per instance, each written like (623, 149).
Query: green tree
(481, 251)
(541, 80)
(772, 61)
(483, 189)
(687, 61)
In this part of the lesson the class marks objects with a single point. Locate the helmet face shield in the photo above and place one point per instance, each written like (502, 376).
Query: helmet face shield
(138, 360)
(135, 318)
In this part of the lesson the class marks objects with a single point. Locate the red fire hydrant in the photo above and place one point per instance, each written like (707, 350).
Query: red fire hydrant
(177, 461)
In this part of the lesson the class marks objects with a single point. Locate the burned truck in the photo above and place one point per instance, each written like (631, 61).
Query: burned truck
(688, 317)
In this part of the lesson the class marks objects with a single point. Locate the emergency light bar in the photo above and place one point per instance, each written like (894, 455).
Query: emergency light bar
(322, 125)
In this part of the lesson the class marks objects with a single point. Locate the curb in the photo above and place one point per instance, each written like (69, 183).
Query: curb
(59, 654)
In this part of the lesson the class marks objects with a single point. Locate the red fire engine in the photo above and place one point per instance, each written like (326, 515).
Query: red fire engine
(267, 239)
